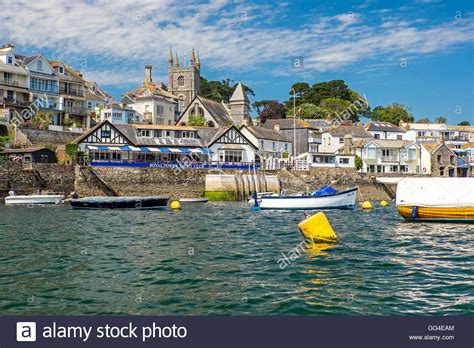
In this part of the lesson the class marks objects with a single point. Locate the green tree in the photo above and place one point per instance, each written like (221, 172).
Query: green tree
(441, 119)
(464, 123)
(335, 107)
(393, 113)
(423, 120)
(300, 88)
(325, 90)
(307, 110)
(220, 90)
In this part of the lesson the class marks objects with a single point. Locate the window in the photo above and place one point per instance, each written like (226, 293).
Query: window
(188, 135)
(89, 105)
(343, 160)
(157, 133)
(61, 70)
(399, 137)
(274, 146)
(230, 155)
(181, 81)
(313, 148)
(39, 65)
(10, 60)
(262, 144)
(160, 109)
(323, 159)
(341, 140)
(286, 147)
(167, 134)
(144, 133)
(10, 95)
(371, 169)
(393, 169)
(404, 168)
(376, 136)
(439, 158)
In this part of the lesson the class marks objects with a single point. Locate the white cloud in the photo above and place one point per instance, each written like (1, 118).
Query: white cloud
(116, 38)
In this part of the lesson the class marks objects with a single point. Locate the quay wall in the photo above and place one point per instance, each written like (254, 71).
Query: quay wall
(28, 178)
(339, 178)
(142, 181)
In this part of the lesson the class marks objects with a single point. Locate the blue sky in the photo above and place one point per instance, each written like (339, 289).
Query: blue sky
(417, 52)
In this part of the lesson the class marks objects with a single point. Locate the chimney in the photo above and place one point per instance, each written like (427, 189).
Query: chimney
(347, 147)
(148, 73)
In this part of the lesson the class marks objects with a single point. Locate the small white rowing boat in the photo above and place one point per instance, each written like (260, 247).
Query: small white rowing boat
(14, 199)
(340, 200)
(193, 200)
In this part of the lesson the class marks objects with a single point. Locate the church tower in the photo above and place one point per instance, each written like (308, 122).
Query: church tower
(184, 81)
(240, 106)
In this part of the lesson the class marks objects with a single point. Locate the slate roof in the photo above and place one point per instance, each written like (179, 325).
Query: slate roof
(149, 90)
(239, 94)
(217, 110)
(354, 130)
(383, 127)
(265, 133)
(30, 149)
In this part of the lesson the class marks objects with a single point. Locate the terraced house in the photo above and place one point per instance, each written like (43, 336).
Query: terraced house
(72, 93)
(14, 83)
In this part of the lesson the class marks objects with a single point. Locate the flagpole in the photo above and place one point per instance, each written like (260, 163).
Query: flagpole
(294, 127)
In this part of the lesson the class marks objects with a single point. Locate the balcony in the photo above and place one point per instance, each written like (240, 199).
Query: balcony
(77, 111)
(390, 159)
(13, 83)
(314, 140)
(68, 91)
(428, 139)
(14, 102)
(43, 88)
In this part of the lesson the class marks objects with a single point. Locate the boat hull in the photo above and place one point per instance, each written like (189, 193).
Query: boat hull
(139, 203)
(340, 200)
(194, 200)
(33, 199)
(437, 213)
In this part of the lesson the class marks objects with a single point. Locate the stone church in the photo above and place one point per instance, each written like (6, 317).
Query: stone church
(184, 81)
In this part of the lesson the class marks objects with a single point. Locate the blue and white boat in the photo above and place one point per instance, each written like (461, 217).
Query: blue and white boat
(325, 198)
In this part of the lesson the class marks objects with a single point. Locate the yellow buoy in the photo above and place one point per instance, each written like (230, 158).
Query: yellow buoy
(317, 228)
(175, 205)
(383, 204)
(366, 205)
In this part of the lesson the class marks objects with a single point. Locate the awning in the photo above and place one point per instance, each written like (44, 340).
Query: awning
(148, 149)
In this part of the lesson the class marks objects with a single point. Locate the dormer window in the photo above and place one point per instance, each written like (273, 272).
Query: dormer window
(39, 65)
(9, 60)
(61, 70)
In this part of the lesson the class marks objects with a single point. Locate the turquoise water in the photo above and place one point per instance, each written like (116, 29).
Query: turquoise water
(222, 259)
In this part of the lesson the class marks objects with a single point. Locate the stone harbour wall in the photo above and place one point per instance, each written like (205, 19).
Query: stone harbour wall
(28, 178)
(142, 181)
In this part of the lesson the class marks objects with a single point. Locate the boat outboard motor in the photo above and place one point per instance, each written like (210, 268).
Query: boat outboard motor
(11, 193)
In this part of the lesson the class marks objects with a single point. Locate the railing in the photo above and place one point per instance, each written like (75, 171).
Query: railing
(12, 101)
(71, 92)
(14, 83)
(390, 159)
(428, 139)
(77, 110)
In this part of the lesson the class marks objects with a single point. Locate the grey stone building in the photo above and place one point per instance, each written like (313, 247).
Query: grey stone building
(184, 81)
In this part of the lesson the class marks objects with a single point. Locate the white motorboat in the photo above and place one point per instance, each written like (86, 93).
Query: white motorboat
(34, 199)
(339, 200)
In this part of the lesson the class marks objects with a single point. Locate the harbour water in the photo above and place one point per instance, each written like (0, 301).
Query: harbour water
(225, 259)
